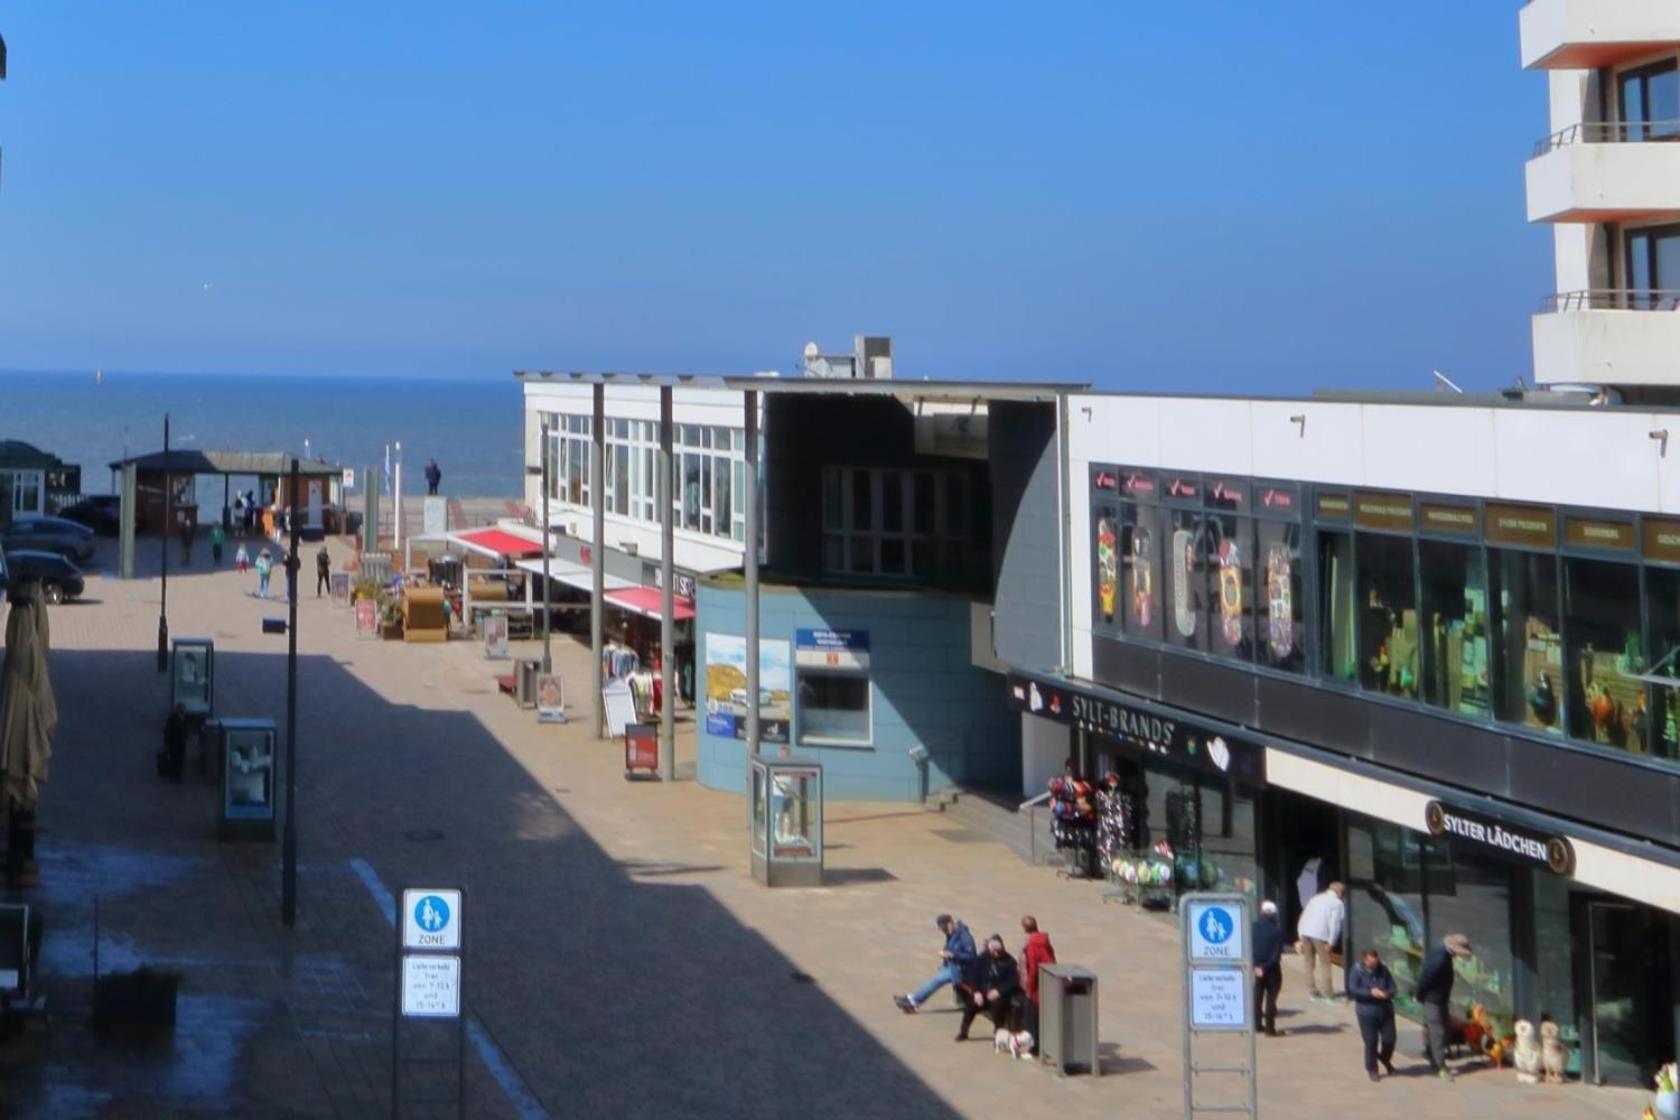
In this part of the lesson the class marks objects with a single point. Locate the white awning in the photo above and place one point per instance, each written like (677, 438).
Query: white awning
(574, 575)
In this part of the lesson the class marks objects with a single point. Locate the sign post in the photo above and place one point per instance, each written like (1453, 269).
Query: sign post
(1218, 985)
(430, 950)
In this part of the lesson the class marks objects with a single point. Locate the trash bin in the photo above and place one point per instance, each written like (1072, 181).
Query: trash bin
(525, 671)
(1067, 1021)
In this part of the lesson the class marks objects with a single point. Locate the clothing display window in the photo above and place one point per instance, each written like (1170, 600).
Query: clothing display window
(1605, 654)
(1338, 655)
(1528, 651)
(1229, 543)
(1387, 619)
(1280, 620)
(1456, 671)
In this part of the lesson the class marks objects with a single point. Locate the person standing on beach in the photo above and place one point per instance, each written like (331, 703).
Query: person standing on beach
(323, 570)
(217, 539)
(434, 477)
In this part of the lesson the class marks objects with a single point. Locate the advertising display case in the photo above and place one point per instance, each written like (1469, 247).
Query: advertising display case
(251, 779)
(785, 817)
(192, 676)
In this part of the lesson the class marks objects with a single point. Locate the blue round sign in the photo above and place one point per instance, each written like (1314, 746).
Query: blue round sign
(1216, 925)
(431, 914)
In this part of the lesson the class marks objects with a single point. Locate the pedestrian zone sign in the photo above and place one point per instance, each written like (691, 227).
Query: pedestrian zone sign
(431, 919)
(1216, 931)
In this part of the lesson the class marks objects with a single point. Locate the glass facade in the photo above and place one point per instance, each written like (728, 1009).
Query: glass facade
(900, 523)
(1553, 621)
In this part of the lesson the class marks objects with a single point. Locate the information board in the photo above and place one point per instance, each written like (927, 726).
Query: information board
(1218, 999)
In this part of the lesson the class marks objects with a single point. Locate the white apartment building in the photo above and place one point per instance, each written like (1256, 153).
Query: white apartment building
(1607, 180)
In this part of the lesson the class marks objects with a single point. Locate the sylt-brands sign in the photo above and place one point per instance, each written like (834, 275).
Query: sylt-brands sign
(1554, 853)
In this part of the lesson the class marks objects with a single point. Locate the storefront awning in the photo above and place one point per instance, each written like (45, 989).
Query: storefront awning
(574, 575)
(496, 542)
(646, 601)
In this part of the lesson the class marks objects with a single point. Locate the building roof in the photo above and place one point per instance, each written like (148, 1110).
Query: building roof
(260, 463)
(15, 453)
(899, 388)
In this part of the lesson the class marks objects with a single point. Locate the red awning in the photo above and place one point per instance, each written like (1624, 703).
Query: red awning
(497, 543)
(645, 600)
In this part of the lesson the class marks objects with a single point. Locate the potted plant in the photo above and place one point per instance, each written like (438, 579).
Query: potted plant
(390, 617)
(1666, 1105)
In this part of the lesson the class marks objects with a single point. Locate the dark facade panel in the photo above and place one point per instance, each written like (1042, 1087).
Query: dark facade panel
(1604, 791)
(1418, 743)
(1026, 533)
(1204, 686)
(1318, 716)
(1136, 669)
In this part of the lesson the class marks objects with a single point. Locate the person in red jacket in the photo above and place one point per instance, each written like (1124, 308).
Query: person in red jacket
(1035, 952)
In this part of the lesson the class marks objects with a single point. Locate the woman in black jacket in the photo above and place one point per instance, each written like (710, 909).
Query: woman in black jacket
(1371, 987)
(993, 987)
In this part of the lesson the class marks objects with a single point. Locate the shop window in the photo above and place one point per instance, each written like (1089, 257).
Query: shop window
(1385, 900)
(1338, 654)
(1388, 626)
(1605, 653)
(1663, 591)
(1470, 894)
(1230, 593)
(833, 708)
(1109, 541)
(1528, 649)
(1280, 625)
(1554, 983)
(1140, 565)
(1185, 564)
(1455, 627)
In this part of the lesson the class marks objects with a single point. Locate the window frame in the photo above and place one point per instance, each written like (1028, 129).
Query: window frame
(801, 738)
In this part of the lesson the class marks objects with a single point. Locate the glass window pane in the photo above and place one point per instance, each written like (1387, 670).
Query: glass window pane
(863, 506)
(834, 551)
(1633, 104)
(720, 471)
(1667, 278)
(956, 505)
(705, 493)
(1338, 656)
(1471, 894)
(1385, 900)
(1528, 650)
(922, 509)
(1230, 584)
(833, 707)
(1639, 268)
(1605, 652)
(921, 558)
(863, 553)
(1663, 587)
(1185, 565)
(1107, 568)
(892, 502)
(1280, 621)
(1455, 627)
(892, 556)
(1140, 562)
(1662, 102)
(622, 482)
(1388, 629)
(691, 491)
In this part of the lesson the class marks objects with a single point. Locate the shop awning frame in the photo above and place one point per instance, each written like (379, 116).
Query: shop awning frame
(645, 601)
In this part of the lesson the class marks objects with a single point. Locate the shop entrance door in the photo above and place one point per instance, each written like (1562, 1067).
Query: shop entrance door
(1629, 988)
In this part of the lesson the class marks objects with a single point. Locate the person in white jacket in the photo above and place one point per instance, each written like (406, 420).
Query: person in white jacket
(1320, 931)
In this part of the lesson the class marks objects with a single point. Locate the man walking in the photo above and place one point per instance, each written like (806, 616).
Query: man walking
(1266, 937)
(954, 960)
(434, 477)
(1371, 987)
(1320, 931)
(1434, 993)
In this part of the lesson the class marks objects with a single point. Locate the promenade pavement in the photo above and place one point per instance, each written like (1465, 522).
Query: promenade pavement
(621, 959)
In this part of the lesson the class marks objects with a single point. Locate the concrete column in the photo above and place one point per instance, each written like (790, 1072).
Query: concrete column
(750, 409)
(126, 509)
(597, 600)
(396, 505)
(667, 595)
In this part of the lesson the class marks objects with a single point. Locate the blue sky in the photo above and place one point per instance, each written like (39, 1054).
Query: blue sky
(1223, 196)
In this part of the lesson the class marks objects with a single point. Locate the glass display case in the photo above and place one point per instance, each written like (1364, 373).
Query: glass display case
(785, 808)
(192, 676)
(250, 779)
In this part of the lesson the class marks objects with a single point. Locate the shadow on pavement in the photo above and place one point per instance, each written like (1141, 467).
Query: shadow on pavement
(607, 996)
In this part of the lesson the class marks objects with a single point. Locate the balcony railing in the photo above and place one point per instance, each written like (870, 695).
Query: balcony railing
(1609, 132)
(1612, 299)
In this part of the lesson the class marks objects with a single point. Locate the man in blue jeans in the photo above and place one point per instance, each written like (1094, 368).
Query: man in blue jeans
(955, 960)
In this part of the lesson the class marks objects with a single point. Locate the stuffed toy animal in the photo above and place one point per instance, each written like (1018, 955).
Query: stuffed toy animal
(1554, 1055)
(1527, 1058)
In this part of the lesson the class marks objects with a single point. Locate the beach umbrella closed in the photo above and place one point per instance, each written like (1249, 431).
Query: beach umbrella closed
(28, 710)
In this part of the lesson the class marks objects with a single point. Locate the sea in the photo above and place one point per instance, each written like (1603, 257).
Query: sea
(473, 428)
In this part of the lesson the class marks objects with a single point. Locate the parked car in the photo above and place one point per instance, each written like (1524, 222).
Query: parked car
(48, 534)
(60, 578)
(100, 512)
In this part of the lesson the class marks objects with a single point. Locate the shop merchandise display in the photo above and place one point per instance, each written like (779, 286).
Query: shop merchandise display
(1108, 563)
(1143, 580)
(1073, 821)
(1231, 592)
(1183, 567)
(1280, 604)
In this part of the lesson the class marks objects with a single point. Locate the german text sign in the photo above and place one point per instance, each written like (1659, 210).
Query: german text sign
(1218, 999)
(431, 919)
(431, 986)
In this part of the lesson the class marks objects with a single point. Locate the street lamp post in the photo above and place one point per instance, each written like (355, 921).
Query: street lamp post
(547, 661)
(163, 541)
(289, 849)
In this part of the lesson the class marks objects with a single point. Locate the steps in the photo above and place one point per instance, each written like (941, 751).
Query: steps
(992, 816)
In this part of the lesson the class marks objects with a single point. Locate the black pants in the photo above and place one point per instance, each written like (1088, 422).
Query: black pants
(1002, 1014)
(1376, 1027)
(321, 581)
(1266, 989)
(431, 489)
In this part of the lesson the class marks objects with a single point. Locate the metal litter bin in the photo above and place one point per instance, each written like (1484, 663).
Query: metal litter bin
(525, 670)
(1067, 1021)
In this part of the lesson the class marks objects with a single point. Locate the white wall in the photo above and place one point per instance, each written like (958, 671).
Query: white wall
(1045, 747)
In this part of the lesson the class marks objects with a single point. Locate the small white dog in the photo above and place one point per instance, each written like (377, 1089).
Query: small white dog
(1017, 1044)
